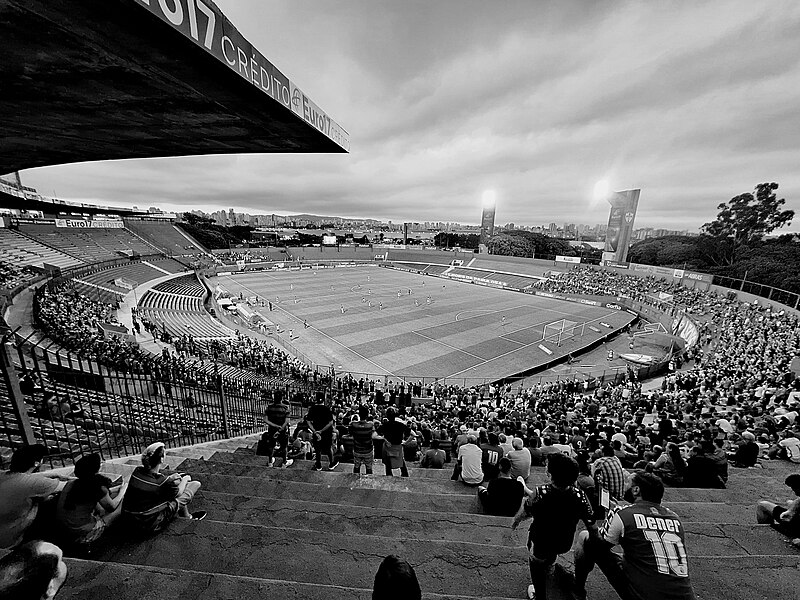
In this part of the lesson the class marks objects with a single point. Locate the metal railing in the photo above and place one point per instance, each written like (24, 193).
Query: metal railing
(74, 405)
(791, 299)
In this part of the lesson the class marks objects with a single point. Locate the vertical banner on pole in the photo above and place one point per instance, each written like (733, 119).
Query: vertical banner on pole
(620, 224)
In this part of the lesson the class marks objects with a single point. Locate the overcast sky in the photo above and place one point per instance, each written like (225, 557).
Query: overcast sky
(693, 102)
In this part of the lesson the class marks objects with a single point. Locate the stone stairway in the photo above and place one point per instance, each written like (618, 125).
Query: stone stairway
(296, 533)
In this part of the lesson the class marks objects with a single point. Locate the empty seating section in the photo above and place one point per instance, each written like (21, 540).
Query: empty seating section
(515, 281)
(162, 301)
(88, 245)
(436, 269)
(95, 293)
(134, 273)
(188, 285)
(177, 323)
(165, 235)
(177, 306)
(510, 264)
(20, 251)
(468, 272)
(168, 264)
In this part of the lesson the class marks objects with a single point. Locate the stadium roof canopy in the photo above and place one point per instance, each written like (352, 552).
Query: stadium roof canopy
(84, 80)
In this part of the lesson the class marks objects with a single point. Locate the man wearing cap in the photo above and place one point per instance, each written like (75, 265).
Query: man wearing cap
(22, 489)
(154, 499)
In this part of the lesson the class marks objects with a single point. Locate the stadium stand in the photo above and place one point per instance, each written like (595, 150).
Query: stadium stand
(188, 285)
(165, 235)
(20, 251)
(88, 245)
(737, 384)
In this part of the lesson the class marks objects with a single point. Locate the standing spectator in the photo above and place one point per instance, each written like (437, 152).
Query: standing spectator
(153, 499)
(608, 473)
(22, 490)
(786, 520)
(468, 464)
(321, 423)
(503, 495)
(555, 508)
(277, 434)
(653, 564)
(362, 431)
(86, 506)
(33, 571)
(393, 432)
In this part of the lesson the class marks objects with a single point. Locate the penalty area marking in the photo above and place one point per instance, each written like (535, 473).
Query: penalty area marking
(477, 313)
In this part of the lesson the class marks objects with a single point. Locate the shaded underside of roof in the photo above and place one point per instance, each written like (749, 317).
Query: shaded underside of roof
(87, 80)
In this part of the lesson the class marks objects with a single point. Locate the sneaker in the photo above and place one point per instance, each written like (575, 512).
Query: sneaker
(531, 592)
(288, 462)
(317, 468)
(199, 515)
(332, 466)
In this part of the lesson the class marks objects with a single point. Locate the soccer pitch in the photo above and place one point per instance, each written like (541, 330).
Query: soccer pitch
(364, 320)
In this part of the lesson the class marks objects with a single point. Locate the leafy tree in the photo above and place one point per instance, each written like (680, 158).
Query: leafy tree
(527, 243)
(461, 240)
(668, 251)
(746, 218)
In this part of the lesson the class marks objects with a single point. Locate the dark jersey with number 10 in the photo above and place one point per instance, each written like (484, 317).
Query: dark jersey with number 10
(652, 541)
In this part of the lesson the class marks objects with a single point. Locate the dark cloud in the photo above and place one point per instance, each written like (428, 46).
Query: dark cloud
(692, 102)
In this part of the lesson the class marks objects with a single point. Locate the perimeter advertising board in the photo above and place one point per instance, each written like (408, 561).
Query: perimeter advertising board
(203, 23)
(620, 224)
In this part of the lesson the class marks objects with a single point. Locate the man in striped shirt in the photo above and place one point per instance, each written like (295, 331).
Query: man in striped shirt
(363, 431)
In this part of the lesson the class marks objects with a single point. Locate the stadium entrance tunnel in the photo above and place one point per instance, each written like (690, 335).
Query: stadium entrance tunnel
(113, 79)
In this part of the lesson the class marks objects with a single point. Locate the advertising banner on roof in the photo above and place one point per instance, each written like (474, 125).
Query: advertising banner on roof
(86, 224)
(203, 23)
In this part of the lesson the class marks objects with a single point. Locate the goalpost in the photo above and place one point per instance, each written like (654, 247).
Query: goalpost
(561, 330)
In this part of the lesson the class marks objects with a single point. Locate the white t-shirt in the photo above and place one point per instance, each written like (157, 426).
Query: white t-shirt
(471, 471)
(792, 445)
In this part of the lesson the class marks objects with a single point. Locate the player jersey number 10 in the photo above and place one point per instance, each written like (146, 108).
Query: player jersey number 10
(669, 552)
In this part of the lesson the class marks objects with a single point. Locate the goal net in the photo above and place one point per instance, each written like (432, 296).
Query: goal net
(558, 331)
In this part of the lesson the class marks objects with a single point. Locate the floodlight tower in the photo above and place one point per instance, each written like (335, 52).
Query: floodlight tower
(487, 217)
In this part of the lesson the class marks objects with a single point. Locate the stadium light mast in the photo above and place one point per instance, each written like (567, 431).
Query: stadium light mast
(487, 220)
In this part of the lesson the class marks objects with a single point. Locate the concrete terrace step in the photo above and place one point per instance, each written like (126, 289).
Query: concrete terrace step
(346, 519)
(325, 558)
(362, 496)
(329, 478)
(92, 579)
(732, 579)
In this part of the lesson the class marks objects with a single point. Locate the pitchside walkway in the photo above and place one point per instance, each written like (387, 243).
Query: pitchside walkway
(295, 533)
